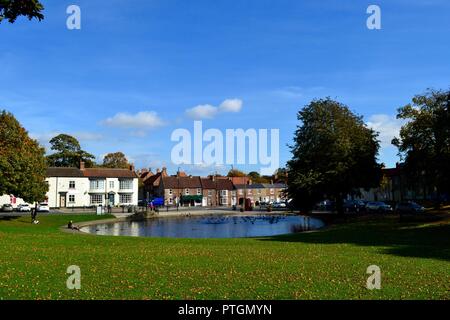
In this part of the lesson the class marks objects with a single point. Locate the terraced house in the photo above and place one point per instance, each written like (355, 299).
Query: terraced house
(261, 192)
(85, 187)
(184, 190)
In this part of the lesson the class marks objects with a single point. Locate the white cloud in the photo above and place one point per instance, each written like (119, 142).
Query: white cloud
(231, 105)
(207, 111)
(144, 120)
(388, 126)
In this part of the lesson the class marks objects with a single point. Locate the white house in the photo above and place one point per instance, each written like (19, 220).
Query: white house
(86, 187)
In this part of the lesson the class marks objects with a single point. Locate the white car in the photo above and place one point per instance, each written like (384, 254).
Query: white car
(43, 207)
(23, 208)
(279, 205)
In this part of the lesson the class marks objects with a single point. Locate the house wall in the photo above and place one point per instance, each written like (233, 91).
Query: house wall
(82, 191)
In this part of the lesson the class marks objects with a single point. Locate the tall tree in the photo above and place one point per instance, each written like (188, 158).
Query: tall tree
(236, 173)
(424, 141)
(116, 160)
(333, 153)
(11, 9)
(68, 152)
(22, 161)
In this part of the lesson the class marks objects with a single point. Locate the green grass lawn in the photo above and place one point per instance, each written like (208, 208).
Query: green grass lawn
(331, 264)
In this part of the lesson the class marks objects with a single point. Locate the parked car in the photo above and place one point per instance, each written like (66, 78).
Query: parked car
(23, 208)
(7, 208)
(354, 205)
(380, 207)
(279, 205)
(43, 207)
(325, 205)
(409, 207)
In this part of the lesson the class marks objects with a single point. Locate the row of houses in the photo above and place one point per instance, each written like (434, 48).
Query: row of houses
(88, 187)
(184, 190)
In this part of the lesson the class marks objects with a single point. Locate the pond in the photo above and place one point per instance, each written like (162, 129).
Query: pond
(208, 226)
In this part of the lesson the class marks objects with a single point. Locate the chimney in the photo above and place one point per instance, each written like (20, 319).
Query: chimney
(131, 167)
(164, 172)
(82, 165)
(158, 170)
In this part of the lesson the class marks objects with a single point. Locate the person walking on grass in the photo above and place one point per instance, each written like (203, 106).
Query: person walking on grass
(34, 215)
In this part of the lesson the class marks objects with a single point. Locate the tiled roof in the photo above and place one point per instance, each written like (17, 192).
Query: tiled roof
(108, 173)
(208, 183)
(64, 172)
(181, 182)
(224, 184)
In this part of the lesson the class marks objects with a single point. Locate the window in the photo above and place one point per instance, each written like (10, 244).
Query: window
(97, 184)
(126, 184)
(111, 184)
(96, 199)
(171, 191)
(71, 198)
(126, 198)
(259, 191)
(223, 193)
(272, 191)
(199, 191)
(71, 184)
(209, 193)
(241, 192)
(170, 201)
(186, 192)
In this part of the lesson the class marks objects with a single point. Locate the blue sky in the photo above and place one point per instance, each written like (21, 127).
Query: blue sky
(129, 77)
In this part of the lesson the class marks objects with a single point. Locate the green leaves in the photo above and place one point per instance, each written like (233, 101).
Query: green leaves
(68, 152)
(12, 9)
(22, 162)
(333, 153)
(424, 141)
(115, 160)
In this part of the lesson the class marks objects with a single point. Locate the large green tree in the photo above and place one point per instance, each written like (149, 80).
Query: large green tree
(22, 161)
(68, 152)
(334, 152)
(116, 160)
(11, 9)
(424, 141)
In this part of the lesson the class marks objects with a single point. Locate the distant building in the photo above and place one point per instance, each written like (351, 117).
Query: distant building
(261, 192)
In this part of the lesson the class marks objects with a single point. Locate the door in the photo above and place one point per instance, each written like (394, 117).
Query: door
(111, 199)
(62, 201)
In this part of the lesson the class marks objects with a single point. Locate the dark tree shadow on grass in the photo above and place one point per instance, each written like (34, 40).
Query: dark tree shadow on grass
(406, 239)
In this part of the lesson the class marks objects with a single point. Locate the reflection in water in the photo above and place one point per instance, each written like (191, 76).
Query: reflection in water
(209, 227)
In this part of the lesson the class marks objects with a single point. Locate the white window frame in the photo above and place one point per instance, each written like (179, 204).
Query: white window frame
(72, 184)
(73, 197)
(199, 191)
(186, 192)
(95, 199)
(128, 197)
(97, 184)
(170, 191)
(111, 184)
(126, 184)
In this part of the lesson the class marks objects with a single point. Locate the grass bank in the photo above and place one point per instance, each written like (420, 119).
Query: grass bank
(414, 258)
